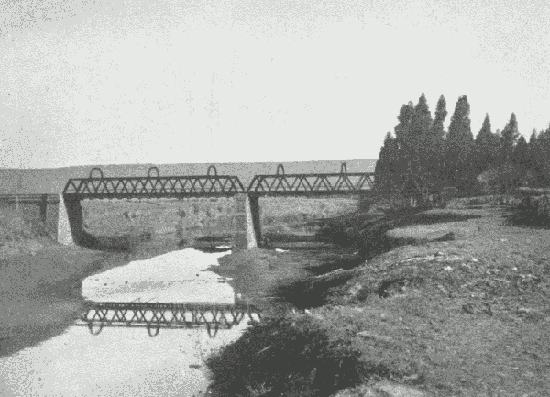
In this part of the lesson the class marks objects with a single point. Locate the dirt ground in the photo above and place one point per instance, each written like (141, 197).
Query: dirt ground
(463, 317)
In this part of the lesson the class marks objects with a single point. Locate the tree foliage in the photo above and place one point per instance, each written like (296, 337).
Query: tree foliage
(422, 156)
(508, 139)
(437, 144)
(486, 147)
(522, 155)
(387, 171)
(459, 148)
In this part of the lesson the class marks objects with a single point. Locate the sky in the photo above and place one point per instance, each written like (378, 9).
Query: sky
(148, 81)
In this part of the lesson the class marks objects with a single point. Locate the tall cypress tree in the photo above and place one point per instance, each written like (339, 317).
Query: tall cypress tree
(535, 163)
(532, 140)
(522, 155)
(532, 149)
(521, 158)
(382, 169)
(509, 137)
(438, 140)
(459, 147)
(387, 172)
(484, 146)
(420, 150)
(403, 139)
(543, 150)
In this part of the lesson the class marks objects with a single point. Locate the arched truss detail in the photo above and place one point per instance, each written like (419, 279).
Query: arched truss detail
(153, 185)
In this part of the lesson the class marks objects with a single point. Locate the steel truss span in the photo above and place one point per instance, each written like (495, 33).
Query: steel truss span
(308, 184)
(167, 315)
(155, 186)
(213, 184)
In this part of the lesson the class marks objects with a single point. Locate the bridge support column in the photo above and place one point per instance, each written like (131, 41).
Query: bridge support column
(247, 222)
(43, 211)
(69, 226)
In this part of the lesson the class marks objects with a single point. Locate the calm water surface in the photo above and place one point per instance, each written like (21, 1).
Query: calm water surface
(125, 361)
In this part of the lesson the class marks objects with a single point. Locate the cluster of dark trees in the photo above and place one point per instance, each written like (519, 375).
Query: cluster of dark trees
(424, 156)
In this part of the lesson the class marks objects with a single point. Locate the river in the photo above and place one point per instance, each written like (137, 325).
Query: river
(125, 361)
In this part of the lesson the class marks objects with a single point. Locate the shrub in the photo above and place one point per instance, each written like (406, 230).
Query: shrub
(533, 210)
(13, 226)
(291, 356)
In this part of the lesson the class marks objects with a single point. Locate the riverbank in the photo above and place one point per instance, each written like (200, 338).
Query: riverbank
(123, 359)
(40, 281)
(39, 290)
(455, 303)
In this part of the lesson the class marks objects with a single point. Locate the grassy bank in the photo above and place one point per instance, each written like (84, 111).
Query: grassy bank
(40, 282)
(447, 302)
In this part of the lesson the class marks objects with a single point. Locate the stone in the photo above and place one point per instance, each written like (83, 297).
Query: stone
(362, 391)
(529, 374)
(368, 335)
(397, 390)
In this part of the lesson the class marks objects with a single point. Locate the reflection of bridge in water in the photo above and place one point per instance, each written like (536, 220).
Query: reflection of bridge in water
(155, 316)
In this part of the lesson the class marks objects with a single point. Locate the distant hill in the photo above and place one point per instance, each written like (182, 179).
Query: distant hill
(53, 180)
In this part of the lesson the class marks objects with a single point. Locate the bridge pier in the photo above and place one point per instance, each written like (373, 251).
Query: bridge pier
(247, 222)
(43, 210)
(70, 221)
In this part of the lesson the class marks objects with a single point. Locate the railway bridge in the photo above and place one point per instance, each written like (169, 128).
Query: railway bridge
(55, 196)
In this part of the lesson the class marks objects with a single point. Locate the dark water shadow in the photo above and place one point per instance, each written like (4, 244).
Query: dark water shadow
(47, 318)
(211, 250)
(432, 219)
(124, 243)
(310, 292)
(527, 220)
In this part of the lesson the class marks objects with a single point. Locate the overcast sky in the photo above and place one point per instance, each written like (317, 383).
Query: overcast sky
(113, 82)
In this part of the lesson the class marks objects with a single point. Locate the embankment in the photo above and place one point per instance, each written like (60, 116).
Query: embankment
(393, 319)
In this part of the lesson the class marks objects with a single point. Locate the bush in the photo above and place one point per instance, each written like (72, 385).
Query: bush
(291, 356)
(533, 210)
(13, 226)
